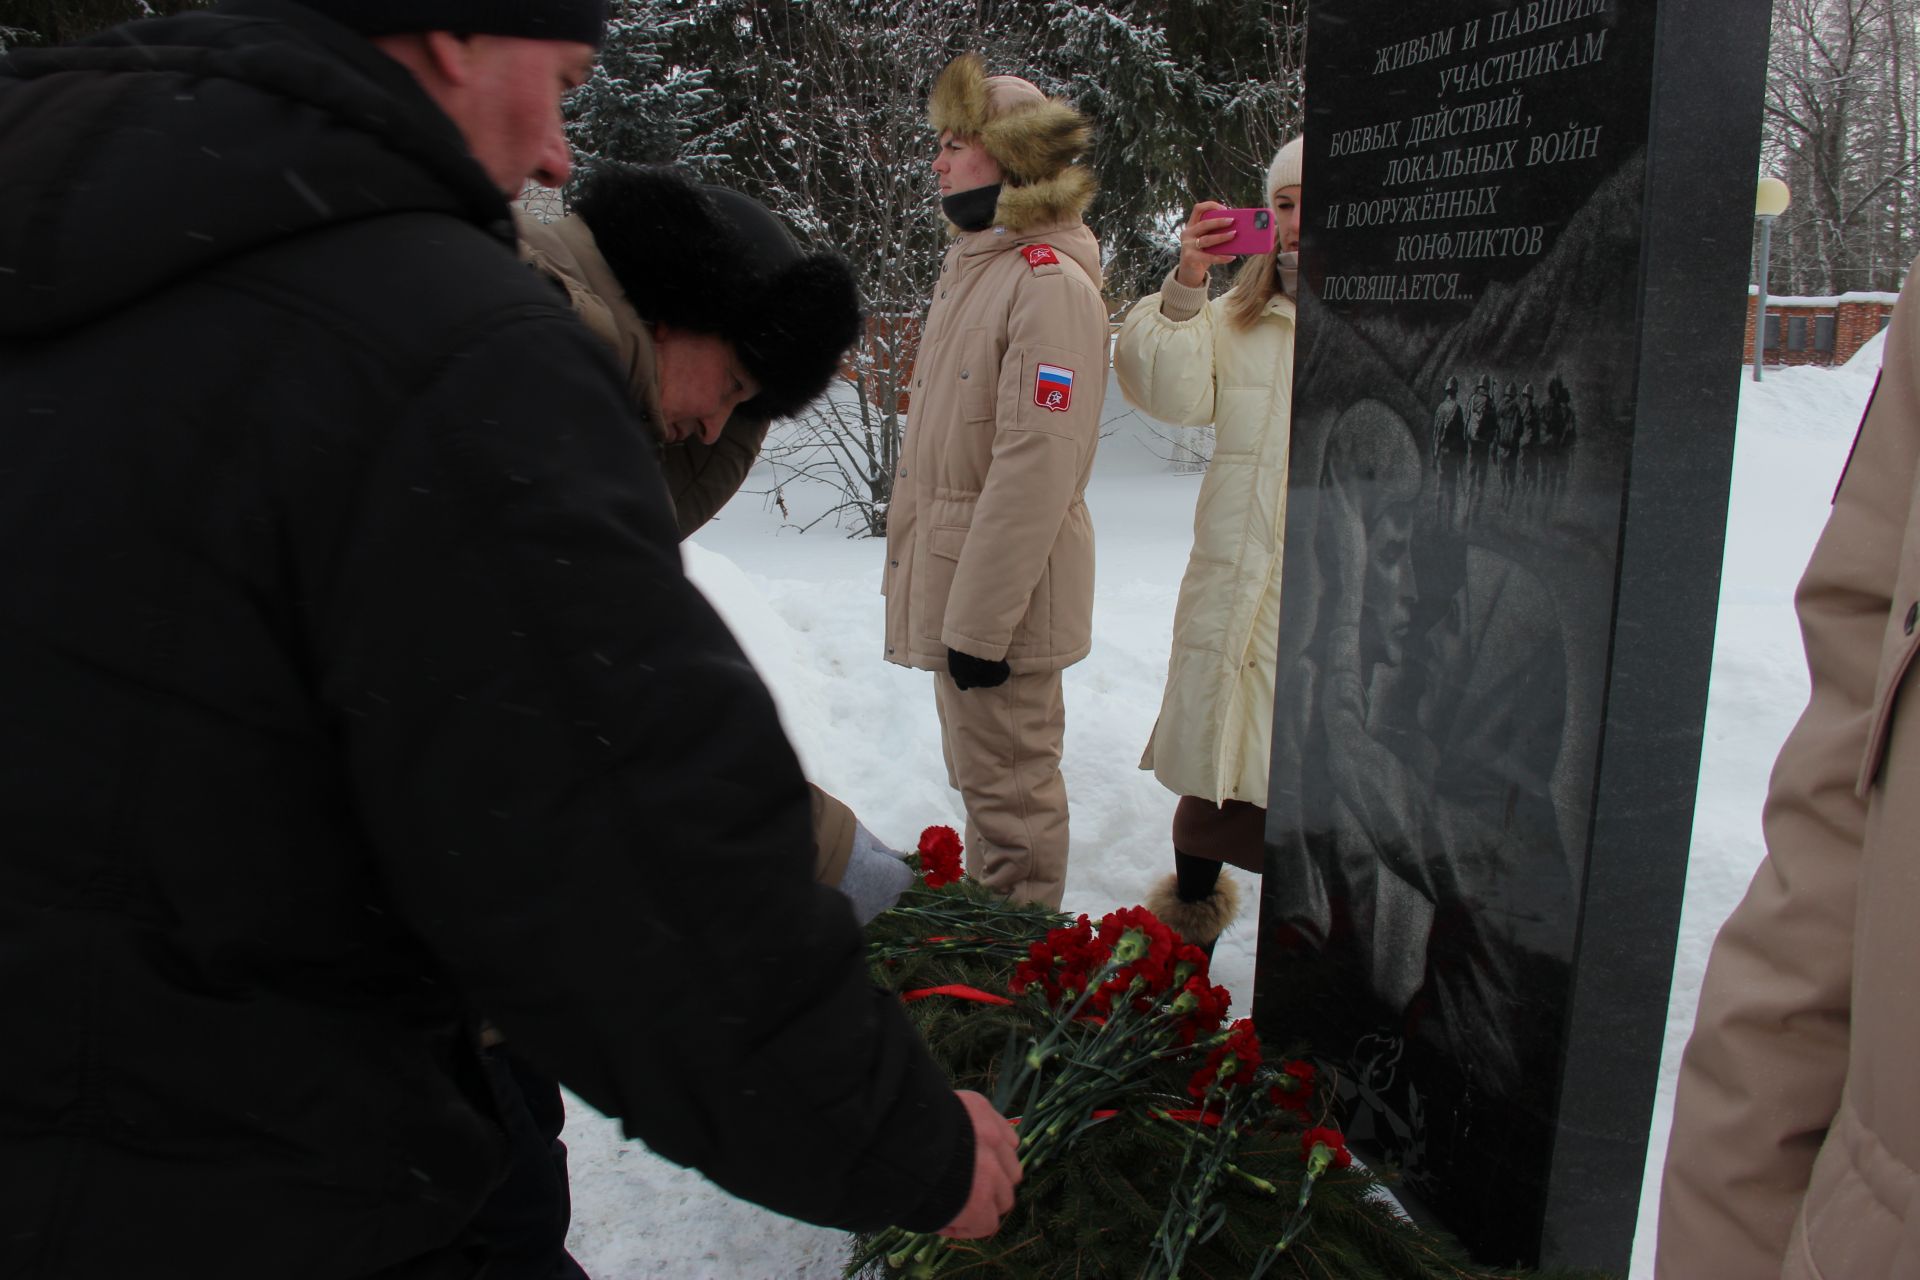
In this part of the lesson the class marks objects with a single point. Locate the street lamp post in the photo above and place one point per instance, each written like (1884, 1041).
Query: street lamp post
(1770, 200)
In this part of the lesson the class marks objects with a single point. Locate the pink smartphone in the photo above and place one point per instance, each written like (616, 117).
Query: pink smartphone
(1252, 231)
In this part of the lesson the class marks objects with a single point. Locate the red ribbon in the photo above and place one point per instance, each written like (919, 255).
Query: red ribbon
(958, 991)
(1097, 1115)
(1193, 1117)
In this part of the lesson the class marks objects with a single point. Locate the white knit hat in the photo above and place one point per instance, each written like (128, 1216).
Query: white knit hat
(1285, 169)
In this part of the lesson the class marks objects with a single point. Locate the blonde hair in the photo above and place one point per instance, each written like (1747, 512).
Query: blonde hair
(1253, 288)
(1259, 277)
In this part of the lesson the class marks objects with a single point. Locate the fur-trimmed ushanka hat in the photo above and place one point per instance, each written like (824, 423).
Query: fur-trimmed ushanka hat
(1033, 138)
(709, 260)
(1030, 135)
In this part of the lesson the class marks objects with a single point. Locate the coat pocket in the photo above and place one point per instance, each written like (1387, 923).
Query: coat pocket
(1898, 646)
(944, 545)
(1896, 662)
(979, 376)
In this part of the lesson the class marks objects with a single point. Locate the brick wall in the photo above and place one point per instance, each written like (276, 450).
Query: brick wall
(1858, 321)
(1856, 318)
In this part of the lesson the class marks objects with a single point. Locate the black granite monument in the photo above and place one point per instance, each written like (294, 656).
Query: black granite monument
(1523, 266)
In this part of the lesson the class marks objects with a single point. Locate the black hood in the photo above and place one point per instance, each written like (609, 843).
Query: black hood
(164, 147)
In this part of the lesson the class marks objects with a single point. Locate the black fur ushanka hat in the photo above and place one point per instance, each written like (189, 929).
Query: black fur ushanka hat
(710, 260)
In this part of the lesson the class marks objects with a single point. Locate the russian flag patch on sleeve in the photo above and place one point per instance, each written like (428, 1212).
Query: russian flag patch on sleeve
(1053, 387)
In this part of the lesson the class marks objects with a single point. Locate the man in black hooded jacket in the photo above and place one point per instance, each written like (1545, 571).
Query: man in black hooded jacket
(352, 686)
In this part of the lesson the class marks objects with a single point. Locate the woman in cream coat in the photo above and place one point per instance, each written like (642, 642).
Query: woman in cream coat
(1229, 362)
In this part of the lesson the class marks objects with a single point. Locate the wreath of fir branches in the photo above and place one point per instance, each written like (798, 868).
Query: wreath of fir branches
(1152, 1183)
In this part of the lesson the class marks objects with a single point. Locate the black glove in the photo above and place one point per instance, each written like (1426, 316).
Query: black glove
(970, 672)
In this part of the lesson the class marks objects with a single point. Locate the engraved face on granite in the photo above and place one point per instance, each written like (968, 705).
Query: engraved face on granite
(1463, 424)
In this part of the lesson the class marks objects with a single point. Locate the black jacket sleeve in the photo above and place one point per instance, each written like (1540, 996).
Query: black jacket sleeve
(584, 804)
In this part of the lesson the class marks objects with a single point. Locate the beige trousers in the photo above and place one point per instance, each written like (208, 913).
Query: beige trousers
(1003, 756)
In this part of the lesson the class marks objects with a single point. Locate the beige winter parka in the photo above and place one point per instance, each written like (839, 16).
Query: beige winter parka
(1180, 360)
(1796, 1131)
(989, 544)
(700, 477)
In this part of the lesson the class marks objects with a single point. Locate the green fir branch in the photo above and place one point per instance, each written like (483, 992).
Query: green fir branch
(1095, 1210)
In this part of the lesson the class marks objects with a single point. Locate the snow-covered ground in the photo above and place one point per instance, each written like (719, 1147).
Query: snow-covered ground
(807, 609)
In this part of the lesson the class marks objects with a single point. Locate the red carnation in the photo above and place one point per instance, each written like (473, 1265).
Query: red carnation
(940, 856)
(1230, 1065)
(1146, 948)
(1295, 1090)
(1064, 963)
(1190, 957)
(1204, 1007)
(1334, 1142)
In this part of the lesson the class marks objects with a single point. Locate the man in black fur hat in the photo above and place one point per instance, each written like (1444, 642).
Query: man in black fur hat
(714, 343)
(354, 688)
(719, 321)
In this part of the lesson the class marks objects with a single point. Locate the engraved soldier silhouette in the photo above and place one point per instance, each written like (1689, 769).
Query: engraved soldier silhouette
(1506, 445)
(1532, 455)
(1557, 437)
(1481, 428)
(1447, 451)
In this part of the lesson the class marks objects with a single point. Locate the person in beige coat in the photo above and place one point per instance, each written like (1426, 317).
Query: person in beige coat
(739, 327)
(1796, 1129)
(989, 575)
(1229, 362)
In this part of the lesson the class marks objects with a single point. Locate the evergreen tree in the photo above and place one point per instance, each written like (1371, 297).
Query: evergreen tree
(27, 23)
(1115, 64)
(643, 104)
(823, 118)
(1247, 57)
(1189, 98)
(818, 108)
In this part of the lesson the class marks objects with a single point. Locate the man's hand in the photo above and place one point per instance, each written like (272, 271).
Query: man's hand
(996, 1171)
(970, 672)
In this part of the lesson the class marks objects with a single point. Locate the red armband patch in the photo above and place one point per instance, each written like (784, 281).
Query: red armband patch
(1041, 255)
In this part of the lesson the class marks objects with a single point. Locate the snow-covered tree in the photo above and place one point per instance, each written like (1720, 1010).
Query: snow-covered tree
(818, 108)
(1189, 99)
(1842, 86)
(825, 121)
(38, 22)
(648, 100)
(1117, 67)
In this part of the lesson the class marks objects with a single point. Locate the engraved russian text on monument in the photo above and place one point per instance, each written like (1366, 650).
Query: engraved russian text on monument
(1462, 425)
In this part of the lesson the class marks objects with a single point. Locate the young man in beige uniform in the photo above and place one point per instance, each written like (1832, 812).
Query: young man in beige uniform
(989, 577)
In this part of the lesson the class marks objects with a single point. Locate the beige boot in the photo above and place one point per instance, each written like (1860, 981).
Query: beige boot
(1202, 922)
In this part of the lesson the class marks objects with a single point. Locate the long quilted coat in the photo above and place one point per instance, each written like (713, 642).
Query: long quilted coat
(1181, 361)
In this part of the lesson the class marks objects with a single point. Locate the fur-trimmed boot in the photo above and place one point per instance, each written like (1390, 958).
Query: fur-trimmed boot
(1200, 922)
